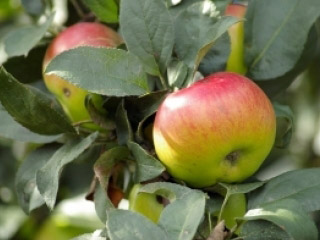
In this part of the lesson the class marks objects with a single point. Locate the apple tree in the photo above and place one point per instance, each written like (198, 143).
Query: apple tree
(168, 116)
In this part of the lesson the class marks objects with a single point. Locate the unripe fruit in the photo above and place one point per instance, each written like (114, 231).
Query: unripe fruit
(72, 98)
(236, 207)
(219, 129)
(235, 61)
(146, 204)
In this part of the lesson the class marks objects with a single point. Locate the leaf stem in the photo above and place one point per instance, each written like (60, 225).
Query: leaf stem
(78, 9)
(223, 206)
(163, 82)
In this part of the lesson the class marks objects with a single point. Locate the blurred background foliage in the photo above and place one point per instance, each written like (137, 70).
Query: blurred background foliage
(76, 215)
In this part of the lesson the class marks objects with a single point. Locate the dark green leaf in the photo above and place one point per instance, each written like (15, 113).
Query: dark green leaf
(273, 47)
(217, 57)
(144, 106)
(105, 10)
(147, 28)
(181, 218)
(48, 176)
(27, 191)
(124, 131)
(10, 129)
(140, 109)
(20, 41)
(284, 125)
(126, 225)
(287, 214)
(148, 167)
(27, 69)
(301, 185)
(32, 108)
(262, 230)
(111, 72)
(197, 29)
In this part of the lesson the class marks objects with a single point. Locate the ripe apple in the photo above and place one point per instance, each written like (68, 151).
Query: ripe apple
(72, 98)
(145, 203)
(220, 129)
(236, 207)
(235, 61)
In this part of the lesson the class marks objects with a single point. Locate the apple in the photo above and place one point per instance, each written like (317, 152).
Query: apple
(146, 204)
(236, 207)
(220, 129)
(72, 98)
(235, 61)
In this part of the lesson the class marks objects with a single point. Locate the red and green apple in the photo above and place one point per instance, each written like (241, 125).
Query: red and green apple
(72, 98)
(220, 129)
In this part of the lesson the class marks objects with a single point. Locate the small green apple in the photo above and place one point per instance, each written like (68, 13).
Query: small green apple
(235, 61)
(72, 98)
(145, 203)
(220, 129)
(236, 207)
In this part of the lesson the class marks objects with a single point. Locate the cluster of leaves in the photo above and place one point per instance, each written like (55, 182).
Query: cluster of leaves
(167, 44)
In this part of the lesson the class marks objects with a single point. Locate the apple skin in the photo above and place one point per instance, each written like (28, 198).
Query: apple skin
(72, 98)
(220, 129)
(235, 61)
(146, 204)
(236, 207)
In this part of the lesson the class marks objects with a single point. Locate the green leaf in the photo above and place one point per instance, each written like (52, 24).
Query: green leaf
(32, 108)
(275, 86)
(177, 73)
(106, 71)
(105, 10)
(241, 188)
(147, 29)
(126, 225)
(124, 131)
(287, 214)
(34, 7)
(301, 185)
(20, 41)
(148, 167)
(181, 218)
(12, 219)
(48, 176)
(216, 59)
(106, 161)
(103, 170)
(101, 203)
(10, 129)
(197, 29)
(262, 230)
(284, 125)
(269, 43)
(25, 182)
